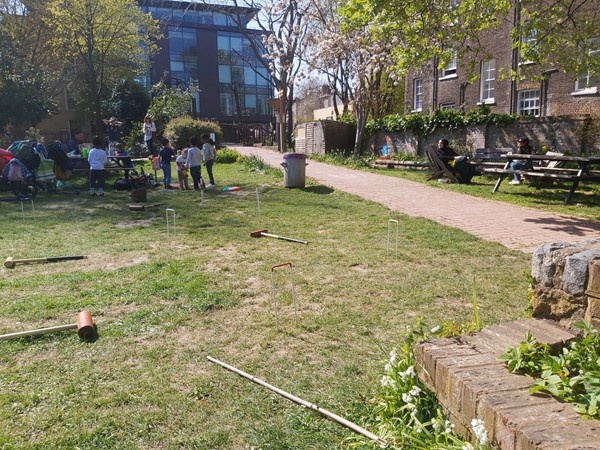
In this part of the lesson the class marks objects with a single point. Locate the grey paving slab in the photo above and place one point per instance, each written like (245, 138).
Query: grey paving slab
(488, 219)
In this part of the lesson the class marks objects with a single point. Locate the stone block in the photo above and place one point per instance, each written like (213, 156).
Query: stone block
(542, 264)
(575, 272)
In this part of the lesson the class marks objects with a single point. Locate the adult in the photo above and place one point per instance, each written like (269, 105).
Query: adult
(113, 131)
(454, 161)
(149, 128)
(523, 148)
(73, 145)
(165, 156)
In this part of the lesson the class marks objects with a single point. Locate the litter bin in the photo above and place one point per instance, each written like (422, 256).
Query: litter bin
(294, 166)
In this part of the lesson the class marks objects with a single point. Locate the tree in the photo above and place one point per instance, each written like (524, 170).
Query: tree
(280, 48)
(103, 41)
(564, 33)
(29, 76)
(129, 102)
(168, 103)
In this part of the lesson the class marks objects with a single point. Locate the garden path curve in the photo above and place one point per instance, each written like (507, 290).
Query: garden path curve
(515, 227)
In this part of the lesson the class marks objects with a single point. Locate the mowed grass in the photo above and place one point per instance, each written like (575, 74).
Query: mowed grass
(162, 305)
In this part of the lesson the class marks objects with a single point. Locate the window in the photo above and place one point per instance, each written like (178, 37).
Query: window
(588, 84)
(183, 54)
(528, 43)
(450, 70)
(488, 81)
(448, 106)
(529, 102)
(417, 94)
(69, 100)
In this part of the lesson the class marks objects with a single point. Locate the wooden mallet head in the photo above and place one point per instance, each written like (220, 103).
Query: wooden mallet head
(258, 233)
(85, 325)
(9, 263)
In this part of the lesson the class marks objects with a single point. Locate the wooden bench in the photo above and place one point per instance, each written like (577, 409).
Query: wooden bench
(392, 164)
(489, 157)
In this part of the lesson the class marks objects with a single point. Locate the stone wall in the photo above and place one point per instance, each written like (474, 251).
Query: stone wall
(560, 273)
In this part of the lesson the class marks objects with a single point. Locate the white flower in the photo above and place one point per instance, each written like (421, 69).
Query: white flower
(415, 391)
(467, 446)
(410, 372)
(387, 381)
(406, 398)
(479, 430)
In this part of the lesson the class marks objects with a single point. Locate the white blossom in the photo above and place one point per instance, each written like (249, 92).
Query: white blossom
(478, 427)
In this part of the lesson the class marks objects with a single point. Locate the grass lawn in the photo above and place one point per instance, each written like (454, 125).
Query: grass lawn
(162, 306)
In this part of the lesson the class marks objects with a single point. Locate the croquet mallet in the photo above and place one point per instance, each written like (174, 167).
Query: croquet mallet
(84, 326)
(263, 232)
(10, 262)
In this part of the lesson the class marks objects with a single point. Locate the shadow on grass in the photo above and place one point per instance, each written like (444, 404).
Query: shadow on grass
(320, 190)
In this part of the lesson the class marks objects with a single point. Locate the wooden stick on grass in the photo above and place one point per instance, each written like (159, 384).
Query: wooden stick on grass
(299, 401)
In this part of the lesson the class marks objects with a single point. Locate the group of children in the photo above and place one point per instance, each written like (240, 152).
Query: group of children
(189, 162)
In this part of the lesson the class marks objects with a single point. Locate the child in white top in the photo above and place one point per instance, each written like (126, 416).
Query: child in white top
(97, 159)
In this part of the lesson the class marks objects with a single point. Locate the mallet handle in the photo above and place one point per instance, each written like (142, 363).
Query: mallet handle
(39, 331)
(284, 238)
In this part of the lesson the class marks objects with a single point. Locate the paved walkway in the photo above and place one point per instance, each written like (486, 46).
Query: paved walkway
(513, 226)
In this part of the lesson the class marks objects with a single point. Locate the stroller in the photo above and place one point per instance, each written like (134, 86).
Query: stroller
(136, 180)
(17, 178)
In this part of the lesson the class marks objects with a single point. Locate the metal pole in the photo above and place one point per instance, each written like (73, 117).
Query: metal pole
(388, 235)
(167, 211)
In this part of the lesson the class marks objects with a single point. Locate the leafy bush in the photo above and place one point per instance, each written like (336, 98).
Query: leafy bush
(227, 156)
(444, 118)
(573, 375)
(181, 129)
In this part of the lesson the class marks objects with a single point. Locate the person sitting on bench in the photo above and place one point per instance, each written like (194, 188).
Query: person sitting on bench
(454, 161)
(523, 147)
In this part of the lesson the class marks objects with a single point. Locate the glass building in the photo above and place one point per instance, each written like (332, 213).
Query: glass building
(203, 48)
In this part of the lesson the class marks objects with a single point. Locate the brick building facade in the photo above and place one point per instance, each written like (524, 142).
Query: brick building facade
(429, 87)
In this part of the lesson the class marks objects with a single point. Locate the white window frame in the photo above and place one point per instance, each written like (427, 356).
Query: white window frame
(449, 105)
(529, 40)
(587, 84)
(449, 71)
(417, 94)
(528, 102)
(487, 86)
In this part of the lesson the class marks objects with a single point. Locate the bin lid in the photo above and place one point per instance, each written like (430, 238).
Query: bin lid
(294, 156)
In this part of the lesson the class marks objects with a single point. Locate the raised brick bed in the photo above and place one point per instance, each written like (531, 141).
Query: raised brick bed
(471, 382)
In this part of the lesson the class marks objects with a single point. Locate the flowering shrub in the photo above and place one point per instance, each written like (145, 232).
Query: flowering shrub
(407, 415)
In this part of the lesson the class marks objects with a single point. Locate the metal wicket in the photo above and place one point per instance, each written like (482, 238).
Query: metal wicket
(275, 291)
(388, 235)
(169, 225)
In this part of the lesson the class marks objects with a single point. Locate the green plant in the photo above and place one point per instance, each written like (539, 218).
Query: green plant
(227, 156)
(449, 119)
(406, 413)
(572, 376)
(181, 129)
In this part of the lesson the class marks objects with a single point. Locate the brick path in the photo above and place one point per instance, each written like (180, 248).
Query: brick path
(490, 220)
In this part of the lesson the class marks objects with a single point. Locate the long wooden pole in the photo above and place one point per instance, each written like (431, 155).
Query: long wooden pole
(299, 401)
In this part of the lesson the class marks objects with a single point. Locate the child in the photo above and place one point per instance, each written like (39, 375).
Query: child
(182, 171)
(194, 163)
(209, 153)
(97, 159)
(165, 156)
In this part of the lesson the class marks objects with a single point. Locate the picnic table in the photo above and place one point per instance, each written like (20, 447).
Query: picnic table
(116, 163)
(543, 169)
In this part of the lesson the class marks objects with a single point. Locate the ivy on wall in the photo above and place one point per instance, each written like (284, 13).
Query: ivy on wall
(449, 119)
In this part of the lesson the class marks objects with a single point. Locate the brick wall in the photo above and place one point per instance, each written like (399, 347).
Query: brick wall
(573, 135)
(557, 97)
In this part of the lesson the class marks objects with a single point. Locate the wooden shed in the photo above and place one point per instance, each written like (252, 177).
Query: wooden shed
(324, 136)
